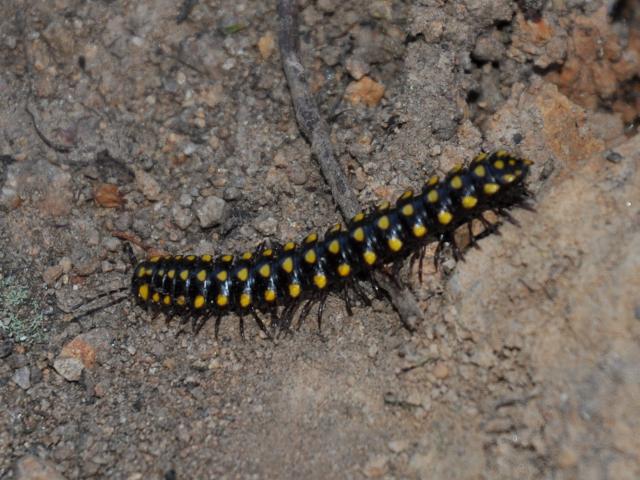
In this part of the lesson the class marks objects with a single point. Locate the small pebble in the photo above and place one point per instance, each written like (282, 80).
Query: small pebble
(69, 368)
(376, 467)
(364, 91)
(65, 263)
(185, 200)
(357, 68)
(182, 217)
(112, 244)
(397, 446)
(106, 266)
(147, 185)
(31, 467)
(613, 157)
(297, 175)
(266, 45)
(22, 377)
(51, 274)
(267, 226)
(441, 371)
(211, 212)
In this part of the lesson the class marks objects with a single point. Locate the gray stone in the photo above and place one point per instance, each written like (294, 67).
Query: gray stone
(211, 212)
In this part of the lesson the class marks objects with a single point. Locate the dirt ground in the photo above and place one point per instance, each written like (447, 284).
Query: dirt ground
(172, 124)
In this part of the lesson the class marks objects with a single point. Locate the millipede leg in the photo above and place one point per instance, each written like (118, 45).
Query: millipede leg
(360, 293)
(347, 301)
(504, 213)
(423, 252)
(472, 238)
(126, 246)
(437, 256)
(261, 324)
(217, 326)
(323, 300)
(304, 312)
(198, 324)
(242, 328)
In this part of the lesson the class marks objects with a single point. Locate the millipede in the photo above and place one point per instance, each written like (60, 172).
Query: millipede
(278, 279)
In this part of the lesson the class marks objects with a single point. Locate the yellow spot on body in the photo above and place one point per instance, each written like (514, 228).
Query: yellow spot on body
(143, 291)
(432, 196)
(433, 180)
(383, 222)
(287, 265)
(181, 301)
(490, 188)
(191, 258)
(269, 295)
(265, 270)
(384, 206)
(227, 258)
(320, 280)
(512, 162)
(160, 272)
(178, 258)
(395, 244)
(369, 257)
(419, 230)
(155, 297)
(142, 272)
(202, 275)
(445, 217)
(501, 153)
(206, 258)
(480, 157)
(358, 234)
(456, 168)
(267, 253)
(311, 238)
(480, 171)
(407, 194)
(344, 270)
(508, 178)
(222, 275)
(243, 274)
(166, 300)
(289, 246)
(171, 274)
(245, 300)
(336, 228)
(247, 255)
(154, 259)
(294, 290)
(469, 201)
(407, 210)
(456, 182)
(358, 217)
(527, 162)
(184, 274)
(198, 302)
(222, 300)
(310, 256)
(518, 173)
(498, 164)
(334, 247)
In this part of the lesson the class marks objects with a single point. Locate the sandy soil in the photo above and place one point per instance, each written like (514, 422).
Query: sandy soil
(175, 127)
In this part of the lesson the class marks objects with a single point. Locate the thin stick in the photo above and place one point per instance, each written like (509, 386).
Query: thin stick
(311, 124)
(316, 131)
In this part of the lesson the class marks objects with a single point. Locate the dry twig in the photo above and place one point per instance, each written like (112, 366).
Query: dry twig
(316, 131)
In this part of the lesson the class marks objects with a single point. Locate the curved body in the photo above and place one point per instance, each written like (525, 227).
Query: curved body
(285, 275)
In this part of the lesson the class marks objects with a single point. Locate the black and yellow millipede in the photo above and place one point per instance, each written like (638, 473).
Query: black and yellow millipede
(276, 280)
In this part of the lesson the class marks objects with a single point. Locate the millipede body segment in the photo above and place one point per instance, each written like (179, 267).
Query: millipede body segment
(285, 275)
